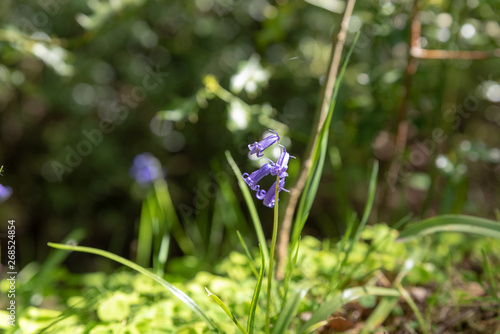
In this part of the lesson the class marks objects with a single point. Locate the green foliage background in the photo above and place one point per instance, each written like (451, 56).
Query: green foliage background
(66, 65)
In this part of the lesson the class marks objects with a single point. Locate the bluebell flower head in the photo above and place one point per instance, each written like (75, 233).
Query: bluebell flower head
(256, 176)
(5, 193)
(282, 164)
(277, 168)
(258, 147)
(146, 168)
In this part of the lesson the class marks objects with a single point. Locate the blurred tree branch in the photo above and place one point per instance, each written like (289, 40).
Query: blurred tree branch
(416, 53)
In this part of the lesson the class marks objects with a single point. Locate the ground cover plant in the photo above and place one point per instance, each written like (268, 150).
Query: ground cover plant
(208, 189)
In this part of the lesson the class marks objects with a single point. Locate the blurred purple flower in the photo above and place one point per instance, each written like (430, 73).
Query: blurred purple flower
(258, 147)
(146, 168)
(5, 193)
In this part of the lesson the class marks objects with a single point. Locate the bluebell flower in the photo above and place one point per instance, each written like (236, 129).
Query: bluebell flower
(146, 168)
(269, 198)
(5, 193)
(259, 147)
(256, 176)
(282, 164)
(276, 169)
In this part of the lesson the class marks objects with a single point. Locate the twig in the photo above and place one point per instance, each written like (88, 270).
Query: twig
(416, 53)
(296, 191)
(411, 68)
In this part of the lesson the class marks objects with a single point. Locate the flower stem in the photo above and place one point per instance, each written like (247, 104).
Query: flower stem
(271, 255)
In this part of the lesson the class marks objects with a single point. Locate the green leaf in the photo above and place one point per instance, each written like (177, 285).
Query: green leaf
(176, 292)
(451, 223)
(251, 206)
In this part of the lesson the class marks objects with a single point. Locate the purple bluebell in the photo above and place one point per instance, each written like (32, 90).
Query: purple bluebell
(5, 193)
(276, 169)
(256, 176)
(282, 164)
(269, 199)
(258, 147)
(146, 168)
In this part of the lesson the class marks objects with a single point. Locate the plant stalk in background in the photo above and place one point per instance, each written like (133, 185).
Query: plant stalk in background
(321, 116)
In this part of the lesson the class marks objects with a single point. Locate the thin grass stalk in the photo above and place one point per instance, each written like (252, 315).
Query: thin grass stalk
(271, 254)
(173, 223)
(172, 289)
(250, 204)
(256, 294)
(413, 306)
(326, 102)
(248, 254)
(227, 311)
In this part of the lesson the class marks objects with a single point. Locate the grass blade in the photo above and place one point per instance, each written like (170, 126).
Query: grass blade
(145, 237)
(311, 329)
(46, 272)
(387, 304)
(345, 297)
(451, 223)
(256, 294)
(224, 307)
(176, 292)
(371, 197)
(381, 312)
(491, 276)
(346, 245)
(247, 252)
(167, 206)
(291, 265)
(251, 206)
(289, 310)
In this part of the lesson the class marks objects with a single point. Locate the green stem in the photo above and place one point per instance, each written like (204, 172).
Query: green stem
(271, 255)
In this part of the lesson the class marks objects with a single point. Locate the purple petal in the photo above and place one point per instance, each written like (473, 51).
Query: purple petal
(282, 164)
(260, 194)
(258, 147)
(269, 199)
(256, 176)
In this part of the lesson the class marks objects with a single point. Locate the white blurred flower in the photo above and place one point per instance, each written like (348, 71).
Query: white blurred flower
(238, 116)
(250, 77)
(55, 57)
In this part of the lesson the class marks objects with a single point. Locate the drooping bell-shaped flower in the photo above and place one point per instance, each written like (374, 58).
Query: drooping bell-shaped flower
(258, 147)
(282, 164)
(277, 169)
(253, 179)
(269, 199)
